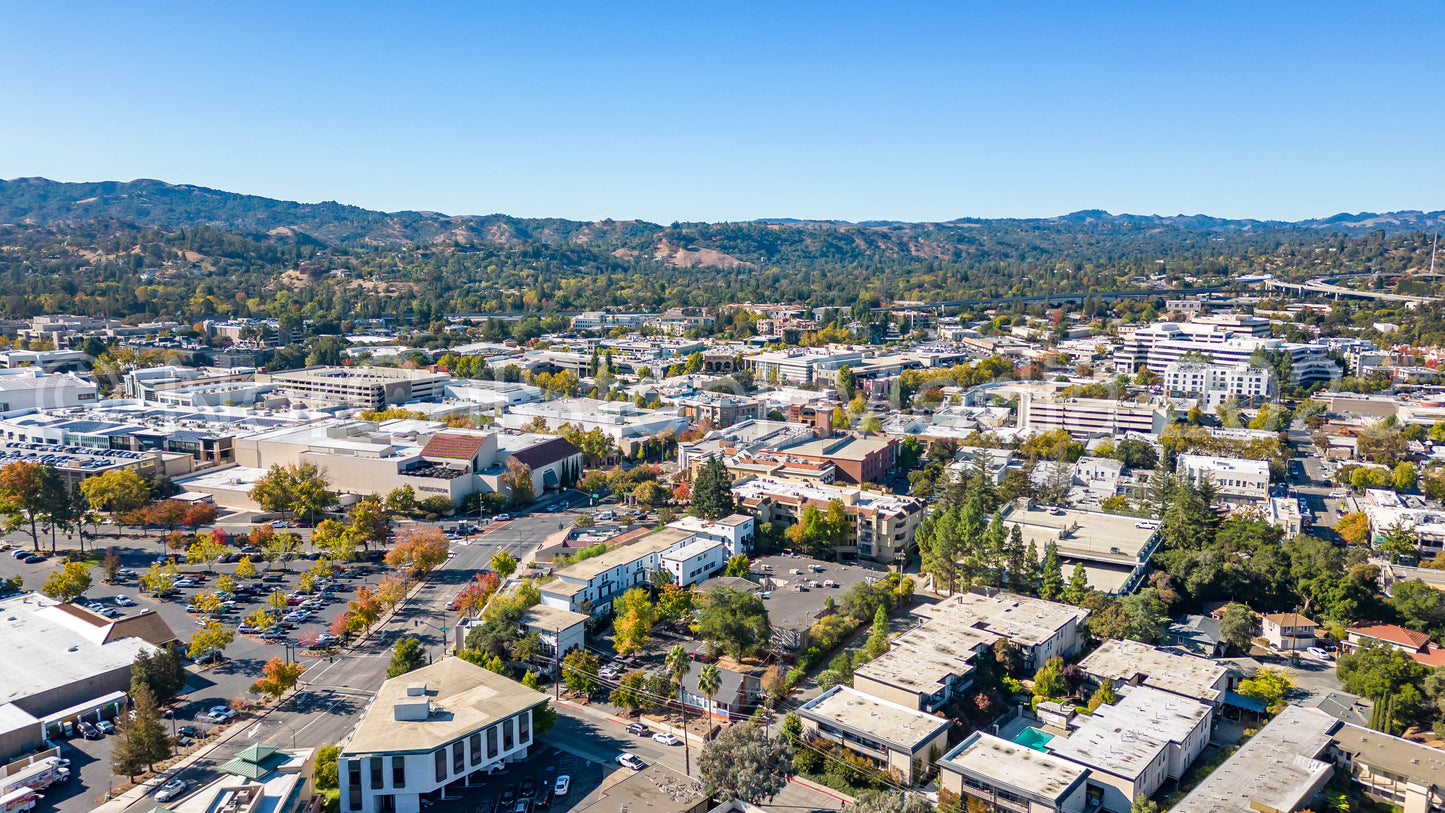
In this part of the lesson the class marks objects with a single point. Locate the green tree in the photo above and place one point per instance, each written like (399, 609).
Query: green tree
(709, 682)
(116, 491)
(1049, 680)
(734, 622)
(1420, 606)
(579, 672)
(1403, 477)
(712, 491)
(67, 581)
(738, 566)
(324, 772)
(504, 563)
(212, 637)
(1103, 696)
(743, 762)
(406, 656)
(1051, 577)
(1376, 669)
(1078, 587)
(1237, 627)
(28, 494)
(140, 741)
(1269, 685)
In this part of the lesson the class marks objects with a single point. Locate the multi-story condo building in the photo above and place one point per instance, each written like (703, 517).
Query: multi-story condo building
(798, 365)
(1159, 345)
(1213, 384)
(882, 527)
(363, 387)
(1236, 479)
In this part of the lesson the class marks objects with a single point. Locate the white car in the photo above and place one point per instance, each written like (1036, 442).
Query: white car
(666, 738)
(627, 760)
(1337, 495)
(172, 789)
(123, 601)
(1319, 652)
(220, 714)
(564, 784)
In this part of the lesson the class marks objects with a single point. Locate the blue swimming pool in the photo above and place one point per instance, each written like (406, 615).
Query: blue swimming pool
(1034, 738)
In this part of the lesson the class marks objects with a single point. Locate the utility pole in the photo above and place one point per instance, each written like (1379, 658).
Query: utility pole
(557, 664)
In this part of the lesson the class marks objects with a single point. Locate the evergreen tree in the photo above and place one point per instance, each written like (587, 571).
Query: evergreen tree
(1051, 579)
(996, 549)
(1161, 490)
(1030, 574)
(712, 491)
(1078, 588)
(1016, 562)
(141, 741)
(972, 533)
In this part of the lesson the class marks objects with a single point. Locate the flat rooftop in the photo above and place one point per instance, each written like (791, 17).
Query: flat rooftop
(1017, 767)
(692, 549)
(1021, 619)
(589, 569)
(796, 492)
(464, 698)
(879, 719)
(1094, 534)
(47, 647)
(1131, 662)
(921, 660)
(552, 618)
(1278, 769)
(789, 609)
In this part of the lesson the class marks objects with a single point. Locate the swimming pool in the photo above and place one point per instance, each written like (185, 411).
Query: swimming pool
(1034, 738)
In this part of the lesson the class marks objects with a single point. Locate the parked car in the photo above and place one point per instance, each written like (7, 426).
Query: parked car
(508, 798)
(627, 760)
(564, 784)
(111, 612)
(33, 559)
(273, 634)
(126, 573)
(297, 617)
(89, 731)
(105, 727)
(221, 714)
(20, 553)
(528, 789)
(184, 583)
(639, 729)
(1319, 652)
(501, 517)
(544, 799)
(666, 738)
(172, 789)
(327, 639)
(124, 601)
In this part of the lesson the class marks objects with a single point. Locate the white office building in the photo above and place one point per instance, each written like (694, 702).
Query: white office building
(1086, 417)
(1237, 480)
(1213, 384)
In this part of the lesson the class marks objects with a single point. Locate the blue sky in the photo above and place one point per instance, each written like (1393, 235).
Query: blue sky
(734, 111)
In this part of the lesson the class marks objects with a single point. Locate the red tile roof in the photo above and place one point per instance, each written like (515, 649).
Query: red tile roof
(1391, 633)
(453, 446)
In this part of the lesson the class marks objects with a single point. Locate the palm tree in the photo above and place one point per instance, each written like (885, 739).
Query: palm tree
(709, 681)
(678, 665)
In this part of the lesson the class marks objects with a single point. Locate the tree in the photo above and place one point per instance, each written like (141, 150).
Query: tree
(892, 801)
(406, 655)
(473, 597)
(260, 620)
(28, 493)
(504, 563)
(845, 383)
(204, 551)
(1078, 587)
(302, 489)
(738, 566)
(734, 622)
(743, 762)
(210, 638)
(245, 569)
(200, 513)
(1403, 477)
(712, 491)
(67, 581)
(163, 674)
(579, 672)
(1049, 680)
(1420, 606)
(279, 547)
(709, 682)
(674, 603)
(335, 540)
(324, 772)
(116, 491)
(631, 692)
(159, 579)
(1376, 669)
(1103, 696)
(278, 678)
(140, 740)
(1354, 528)
(110, 565)
(1051, 584)
(369, 523)
(1143, 804)
(635, 617)
(1270, 685)
(1237, 627)
(518, 479)
(1140, 617)
(418, 550)
(678, 664)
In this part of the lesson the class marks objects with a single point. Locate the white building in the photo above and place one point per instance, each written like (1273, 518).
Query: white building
(889, 736)
(363, 387)
(1213, 384)
(429, 730)
(31, 389)
(618, 419)
(695, 562)
(1083, 417)
(1237, 480)
(591, 585)
(1004, 775)
(798, 365)
(1159, 345)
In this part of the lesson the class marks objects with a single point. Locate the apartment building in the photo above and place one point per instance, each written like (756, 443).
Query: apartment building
(1237, 480)
(881, 527)
(798, 365)
(1087, 417)
(676, 321)
(431, 730)
(1036, 630)
(1159, 345)
(590, 586)
(720, 409)
(361, 387)
(1004, 775)
(1135, 664)
(1213, 384)
(891, 737)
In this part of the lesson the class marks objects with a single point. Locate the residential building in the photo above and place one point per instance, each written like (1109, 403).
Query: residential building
(1036, 630)
(798, 365)
(431, 729)
(881, 525)
(561, 631)
(738, 691)
(1281, 768)
(1403, 773)
(1159, 345)
(676, 321)
(891, 737)
(695, 562)
(1236, 479)
(1136, 664)
(734, 531)
(854, 459)
(1134, 746)
(1415, 644)
(604, 320)
(590, 586)
(924, 668)
(361, 387)
(1085, 417)
(1213, 384)
(1288, 632)
(1004, 775)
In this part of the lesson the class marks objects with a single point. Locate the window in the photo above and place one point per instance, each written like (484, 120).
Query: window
(475, 746)
(507, 735)
(492, 742)
(441, 764)
(524, 726)
(459, 756)
(398, 772)
(353, 784)
(376, 780)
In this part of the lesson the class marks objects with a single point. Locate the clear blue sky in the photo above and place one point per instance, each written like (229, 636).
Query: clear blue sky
(735, 110)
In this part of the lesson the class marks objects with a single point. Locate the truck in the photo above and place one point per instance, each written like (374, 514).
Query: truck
(19, 800)
(38, 775)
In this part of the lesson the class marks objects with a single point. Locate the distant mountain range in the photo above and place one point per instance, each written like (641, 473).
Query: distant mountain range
(41, 202)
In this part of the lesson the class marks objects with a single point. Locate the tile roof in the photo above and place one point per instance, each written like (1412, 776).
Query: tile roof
(1392, 633)
(453, 446)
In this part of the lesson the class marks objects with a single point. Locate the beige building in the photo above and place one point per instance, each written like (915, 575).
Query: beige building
(1288, 632)
(363, 387)
(889, 736)
(882, 524)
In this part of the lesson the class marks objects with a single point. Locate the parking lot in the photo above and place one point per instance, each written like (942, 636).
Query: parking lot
(503, 792)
